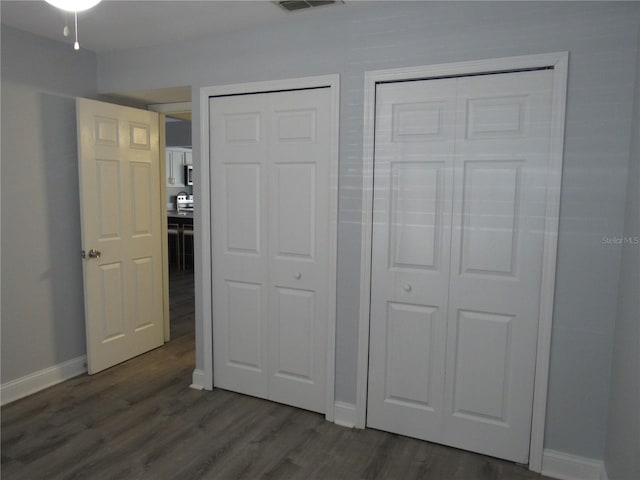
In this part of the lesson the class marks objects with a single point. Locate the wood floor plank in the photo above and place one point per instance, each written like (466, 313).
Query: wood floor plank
(140, 420)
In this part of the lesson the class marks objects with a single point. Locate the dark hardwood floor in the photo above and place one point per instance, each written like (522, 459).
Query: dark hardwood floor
(140, 420)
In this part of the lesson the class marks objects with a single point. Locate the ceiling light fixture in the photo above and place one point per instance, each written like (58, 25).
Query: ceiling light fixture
(74, 6)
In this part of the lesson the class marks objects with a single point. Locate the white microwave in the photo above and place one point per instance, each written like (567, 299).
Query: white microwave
(188, 174)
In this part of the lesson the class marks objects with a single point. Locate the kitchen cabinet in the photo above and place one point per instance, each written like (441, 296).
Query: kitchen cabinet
(177, 158)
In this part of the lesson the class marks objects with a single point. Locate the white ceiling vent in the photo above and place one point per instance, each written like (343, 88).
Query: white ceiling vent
(295, 5)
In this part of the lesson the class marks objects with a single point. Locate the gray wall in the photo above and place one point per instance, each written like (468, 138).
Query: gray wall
(42, 299)
(623, 436)
(178, 133)
(602, 41)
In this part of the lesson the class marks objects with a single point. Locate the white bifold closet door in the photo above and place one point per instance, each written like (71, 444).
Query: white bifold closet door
(270, 173)
(459, 216)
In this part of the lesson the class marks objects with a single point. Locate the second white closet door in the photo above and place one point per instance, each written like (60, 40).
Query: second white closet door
(270, 202)
(458, 227)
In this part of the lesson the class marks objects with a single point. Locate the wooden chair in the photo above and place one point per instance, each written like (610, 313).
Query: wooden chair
(173, 231)
(187, 232)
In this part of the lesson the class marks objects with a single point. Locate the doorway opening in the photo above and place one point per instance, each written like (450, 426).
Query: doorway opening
(176, 198)
(179, 200)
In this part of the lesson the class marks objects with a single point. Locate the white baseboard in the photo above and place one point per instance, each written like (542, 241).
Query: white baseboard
(34, 382)
(571, 467)
(344, 414)
(197, 379)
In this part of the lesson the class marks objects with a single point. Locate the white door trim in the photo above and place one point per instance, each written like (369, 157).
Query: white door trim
(204, 176)
(559, 61)
(165, 236)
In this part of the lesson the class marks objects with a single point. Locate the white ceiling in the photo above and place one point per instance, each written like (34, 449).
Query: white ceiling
(122, 24)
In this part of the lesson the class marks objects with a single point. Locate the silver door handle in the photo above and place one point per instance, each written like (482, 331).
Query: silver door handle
(93, 253)
(407, 287)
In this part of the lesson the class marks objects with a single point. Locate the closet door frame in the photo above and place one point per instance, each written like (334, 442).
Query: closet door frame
(203, 377)
(559, 61)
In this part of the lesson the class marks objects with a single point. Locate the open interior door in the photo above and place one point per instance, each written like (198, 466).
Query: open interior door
(121, 214)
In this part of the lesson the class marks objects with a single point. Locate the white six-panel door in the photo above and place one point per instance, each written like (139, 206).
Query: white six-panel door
(270, 169)
(121, 219)
(459, 212)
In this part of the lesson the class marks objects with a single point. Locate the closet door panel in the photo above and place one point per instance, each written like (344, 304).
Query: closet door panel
(299, 258)
(410, 256)
(239, 151)
(499, 208)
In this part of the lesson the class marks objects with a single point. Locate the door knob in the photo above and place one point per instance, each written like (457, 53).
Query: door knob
(93, 253)
(407, 287)
(298, 276)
